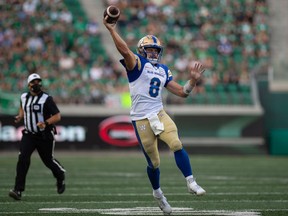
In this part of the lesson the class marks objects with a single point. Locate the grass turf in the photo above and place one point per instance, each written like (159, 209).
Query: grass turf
(112, 183)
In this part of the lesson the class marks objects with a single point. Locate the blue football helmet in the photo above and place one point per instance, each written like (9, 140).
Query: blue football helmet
(150, 41)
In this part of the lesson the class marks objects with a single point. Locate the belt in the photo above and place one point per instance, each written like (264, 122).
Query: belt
(32, 133)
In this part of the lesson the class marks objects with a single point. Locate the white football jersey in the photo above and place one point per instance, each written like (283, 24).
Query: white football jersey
(146, 82)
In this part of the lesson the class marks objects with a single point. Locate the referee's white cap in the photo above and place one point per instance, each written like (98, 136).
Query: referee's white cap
(32, 77)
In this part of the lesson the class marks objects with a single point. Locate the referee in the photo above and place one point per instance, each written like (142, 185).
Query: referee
(40, 113)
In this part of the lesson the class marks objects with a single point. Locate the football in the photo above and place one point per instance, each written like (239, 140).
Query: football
(113, 13)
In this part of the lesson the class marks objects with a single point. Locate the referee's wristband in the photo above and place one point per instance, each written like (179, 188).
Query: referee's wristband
(46, 123)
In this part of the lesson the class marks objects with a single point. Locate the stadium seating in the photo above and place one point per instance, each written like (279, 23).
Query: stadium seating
(59, 41)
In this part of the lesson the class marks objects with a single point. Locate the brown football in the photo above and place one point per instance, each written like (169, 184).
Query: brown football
(113, 13)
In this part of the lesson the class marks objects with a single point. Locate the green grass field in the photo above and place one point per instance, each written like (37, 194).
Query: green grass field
(116, 184)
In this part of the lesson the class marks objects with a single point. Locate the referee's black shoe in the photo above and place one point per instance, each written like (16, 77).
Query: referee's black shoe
(15, 194)
(60, 186)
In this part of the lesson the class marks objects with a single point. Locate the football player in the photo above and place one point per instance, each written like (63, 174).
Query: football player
(147, 78)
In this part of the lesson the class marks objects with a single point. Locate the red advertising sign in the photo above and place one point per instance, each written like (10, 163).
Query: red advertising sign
(118, 131)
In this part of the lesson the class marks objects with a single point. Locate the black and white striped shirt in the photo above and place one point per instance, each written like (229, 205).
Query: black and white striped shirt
(37, 109)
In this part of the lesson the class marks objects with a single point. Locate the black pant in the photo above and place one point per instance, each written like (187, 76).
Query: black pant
(45, 148)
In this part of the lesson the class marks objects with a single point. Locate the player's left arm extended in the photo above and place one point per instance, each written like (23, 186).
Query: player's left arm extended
(176, 89)
(195, 75)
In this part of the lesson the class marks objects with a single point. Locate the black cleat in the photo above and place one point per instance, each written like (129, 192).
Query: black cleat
(15, 194)
(61, 186)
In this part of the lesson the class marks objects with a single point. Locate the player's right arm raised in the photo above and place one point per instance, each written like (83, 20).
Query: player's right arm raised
(121, 45)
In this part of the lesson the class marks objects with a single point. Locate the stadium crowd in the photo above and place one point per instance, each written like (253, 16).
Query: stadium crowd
(49, 37)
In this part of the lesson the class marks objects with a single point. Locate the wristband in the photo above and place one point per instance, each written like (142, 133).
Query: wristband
(187, 88)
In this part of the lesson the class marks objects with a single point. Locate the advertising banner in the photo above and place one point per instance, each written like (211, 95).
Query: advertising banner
(109, 129)
(90, 132)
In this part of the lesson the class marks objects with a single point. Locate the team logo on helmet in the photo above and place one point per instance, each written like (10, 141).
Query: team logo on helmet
(150, 41)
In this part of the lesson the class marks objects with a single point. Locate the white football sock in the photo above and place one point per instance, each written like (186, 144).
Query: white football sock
(190, 177)
(158, 192)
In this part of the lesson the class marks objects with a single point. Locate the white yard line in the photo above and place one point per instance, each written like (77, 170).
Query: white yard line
(151, 210)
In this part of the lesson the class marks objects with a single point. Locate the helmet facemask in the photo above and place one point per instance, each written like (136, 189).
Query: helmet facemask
(150, 41)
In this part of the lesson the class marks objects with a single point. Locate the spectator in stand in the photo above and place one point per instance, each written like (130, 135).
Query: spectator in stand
(198, 24)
